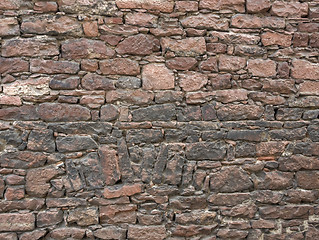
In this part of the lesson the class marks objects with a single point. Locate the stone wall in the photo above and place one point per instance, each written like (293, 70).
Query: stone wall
(159, 119)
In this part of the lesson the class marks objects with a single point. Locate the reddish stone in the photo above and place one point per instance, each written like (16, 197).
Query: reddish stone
(309, 88)
(110, 165)
(41, 140)
(280, 86)
(303, 69)
(286, 212)
(91, 29)
(228, 199)
(289, 9)
(146, 232)
(14, 193)
(300, 39)
(185, 47)
(246, 21)
(34, 235)
(231, 95)
(235, 5)
(48, 218)
(89, 65)
(130, 96)
(312, 233)
(37, 181)
(53, 67)
(141, 19)
(111, 39)
(10, 100)
(118, 214)
(140, 44)
(83, 216)
(13, 65)
(67, 232)
(9, 27)
(110, 232)
(274, 180)
(232, 233)
(314, 40)
(51, 25)
(308, 179)
(16, 222)
(23, 159)
(27, 112)
(262, 68)
(15, 180)
(123, 190)
(239, 112)
(44, 7)
(270, 148)
(55, 112)
(109, 112)
(231, 63)
(85, 48)
(10, 4)
(181, 63)
(209, 65)
(92, 81)
(192, 81)
(157, 76)
(60, 82)
(186, 6)
(8, 236)
(193, 230)
(166, 6)
(230, 179)
(205, 21)
(216, 47)
(121, 66)
(271, 38)
(257, 6)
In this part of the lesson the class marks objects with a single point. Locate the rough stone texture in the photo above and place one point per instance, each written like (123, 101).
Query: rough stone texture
(159, 119)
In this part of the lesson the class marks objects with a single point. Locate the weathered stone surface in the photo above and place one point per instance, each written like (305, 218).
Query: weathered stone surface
(274, 180)
(123, 190)
(257, 6)
(113, 214)
(141, 19)
(22, 159)
(155, 5)
(187, 47)
(290, 9)
(192, 81)
(206, 150)
(53, 67)
(30, 47)
(85, 48)
(147, 232)
(41, 140)
(110, 232)
(51, 25)
(92, 81)
(163, 112)
(262, 68)
(129, 83)
(84, 216)
(121, 66)
(231, 63)
(15, 222)
(156, 76)
(37, 180)
(140, 44)
(109, 112)
(110, 164)
(270, 38)
(9, 27)
(98, 7)
(60, 82)
(205, 21)
(303, 69)
(230, 179)
(239, 112)
(48, 218)
(308, 179)
(237, 5)
(75, 143)
(67, 232)
(55, 112)
(13, 65)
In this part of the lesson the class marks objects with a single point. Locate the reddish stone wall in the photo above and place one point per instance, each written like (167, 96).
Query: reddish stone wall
(159, 119)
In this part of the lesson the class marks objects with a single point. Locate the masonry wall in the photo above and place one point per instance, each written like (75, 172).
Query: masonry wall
(159, 119)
